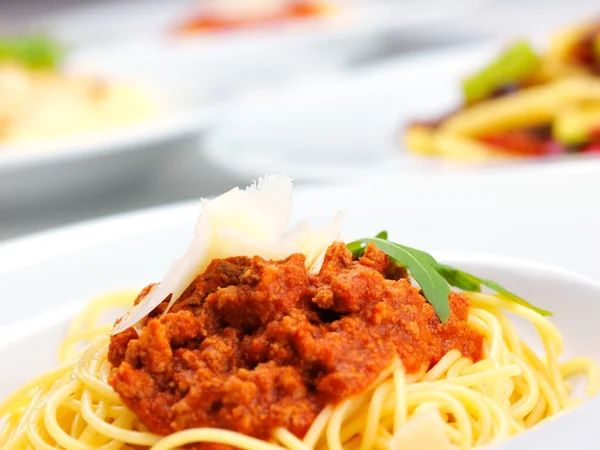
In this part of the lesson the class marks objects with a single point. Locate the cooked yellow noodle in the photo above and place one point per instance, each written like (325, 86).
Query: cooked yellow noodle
(510, 390)
(39, 105)
(533, 106)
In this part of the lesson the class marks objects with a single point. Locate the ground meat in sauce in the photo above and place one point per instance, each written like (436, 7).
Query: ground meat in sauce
(252, 344)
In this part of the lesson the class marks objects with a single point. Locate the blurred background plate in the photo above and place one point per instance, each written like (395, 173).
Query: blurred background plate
(91, 22)
(73, 168)
(191, 76)
(46, 169)
(338, 128)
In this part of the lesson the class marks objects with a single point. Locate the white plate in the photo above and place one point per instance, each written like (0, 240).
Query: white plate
(32, 345)
(90, 22)
(343, 126)
(552, 218)
(53, 273)
(67, 167)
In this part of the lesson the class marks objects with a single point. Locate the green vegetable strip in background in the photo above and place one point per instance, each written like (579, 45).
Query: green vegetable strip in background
(513, 65)
(434, 278)
(35, 52)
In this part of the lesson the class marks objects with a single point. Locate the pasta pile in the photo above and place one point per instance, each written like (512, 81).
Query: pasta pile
(457, 404)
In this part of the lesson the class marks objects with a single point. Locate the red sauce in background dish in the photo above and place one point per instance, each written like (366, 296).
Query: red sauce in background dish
(295, 10)
(253, 344)
(532, 141)
(584, 52)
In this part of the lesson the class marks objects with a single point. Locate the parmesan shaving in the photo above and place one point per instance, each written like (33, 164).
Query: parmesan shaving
(250, 222)
(313, 242)
(426, 431)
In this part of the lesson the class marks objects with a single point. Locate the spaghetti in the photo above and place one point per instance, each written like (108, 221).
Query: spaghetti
(329, 348)
(508, 391)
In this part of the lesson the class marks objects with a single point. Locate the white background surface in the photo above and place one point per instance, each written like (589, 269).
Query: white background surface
(188, 175)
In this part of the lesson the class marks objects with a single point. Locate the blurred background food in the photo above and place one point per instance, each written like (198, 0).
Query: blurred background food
(525, 103)
(39, 101)
(115, 105)
(223, 15)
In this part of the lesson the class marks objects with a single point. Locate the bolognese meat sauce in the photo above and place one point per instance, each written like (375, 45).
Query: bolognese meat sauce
(254, 344)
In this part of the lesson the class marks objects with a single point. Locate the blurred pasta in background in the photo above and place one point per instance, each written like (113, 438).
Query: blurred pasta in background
(39, 100)
(524, 104)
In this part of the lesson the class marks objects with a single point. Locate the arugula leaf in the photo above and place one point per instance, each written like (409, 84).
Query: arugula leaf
(469, 282)
(357, 248)
(434, 278)
(424, 255)
(515, 298)
(35, 52)
(459, 279)
(435, 289)
(382, 235)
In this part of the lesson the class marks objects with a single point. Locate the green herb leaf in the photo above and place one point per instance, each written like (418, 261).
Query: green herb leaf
(382, 235)
(434, 278)
(357, 248)
(35, 52)
(426, 256)
(515, 298)
(435, 288)
(459, 279)
(469, 282)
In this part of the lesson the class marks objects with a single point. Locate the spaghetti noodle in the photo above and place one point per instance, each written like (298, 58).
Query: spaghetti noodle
(508, 391)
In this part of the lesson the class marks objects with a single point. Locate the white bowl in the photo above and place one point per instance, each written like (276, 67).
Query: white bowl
(31, 345)
(545, 217)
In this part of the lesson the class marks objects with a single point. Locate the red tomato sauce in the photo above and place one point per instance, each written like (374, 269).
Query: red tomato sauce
(296, 10)
(253, 344)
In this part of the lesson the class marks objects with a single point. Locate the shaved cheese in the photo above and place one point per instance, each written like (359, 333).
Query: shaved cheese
(236, 243)
(313, 242)
(250, 222)
(426, 431)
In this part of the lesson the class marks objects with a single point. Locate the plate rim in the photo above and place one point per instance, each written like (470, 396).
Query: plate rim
(50, 318)
(128, 138)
